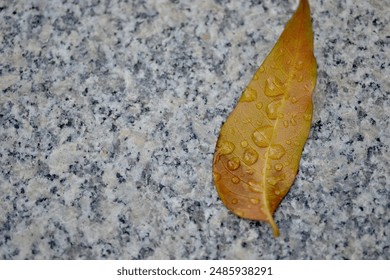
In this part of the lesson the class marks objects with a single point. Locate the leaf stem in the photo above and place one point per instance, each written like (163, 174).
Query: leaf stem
(275, 228)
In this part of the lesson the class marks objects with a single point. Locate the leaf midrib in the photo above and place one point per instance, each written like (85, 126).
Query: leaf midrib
(280, 109)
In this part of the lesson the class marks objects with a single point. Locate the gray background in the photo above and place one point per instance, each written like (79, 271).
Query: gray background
(110, 111)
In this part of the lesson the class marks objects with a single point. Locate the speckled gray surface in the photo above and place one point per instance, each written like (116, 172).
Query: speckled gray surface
(110, 111)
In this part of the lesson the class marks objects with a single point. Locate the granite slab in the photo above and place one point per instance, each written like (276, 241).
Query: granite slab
(110, 112)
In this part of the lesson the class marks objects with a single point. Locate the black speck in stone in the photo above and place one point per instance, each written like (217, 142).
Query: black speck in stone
(7, 238)
(35, 21)
(254, 224)
(136, 67)
(120, 178)
(144, 253)
(131, 119)
(361, 114)
(304, 236)
(318, 125)
(40, 201)
(373, 150)
(52, 244)
(160, 186)
(122, 219)
(332, 88)
(349, 142)
(34, 250)
(51, 177)
(114, 128)
(43, 168)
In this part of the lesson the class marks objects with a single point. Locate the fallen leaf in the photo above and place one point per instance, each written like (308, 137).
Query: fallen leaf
(260, 144)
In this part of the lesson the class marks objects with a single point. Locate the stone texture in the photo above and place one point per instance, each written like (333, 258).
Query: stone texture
(110, 111)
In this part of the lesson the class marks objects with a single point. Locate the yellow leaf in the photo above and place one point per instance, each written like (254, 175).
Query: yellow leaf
(260, 144)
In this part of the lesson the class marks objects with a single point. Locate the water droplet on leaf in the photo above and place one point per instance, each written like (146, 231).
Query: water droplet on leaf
(262, 136)
(244, 144)
(226, 148)
(272, 110)
(276, 151)
(233, 164)
(248, 95)
(254, 201)
(250, 156)
(278, 166)
(236, 180)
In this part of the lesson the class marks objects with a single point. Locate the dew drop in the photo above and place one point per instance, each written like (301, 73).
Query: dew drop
(250, 156)
(307, 117)
(299, 65)
(288, 142)
(254, 201)
(261, 69)
(294, 100)
(270, 89)
(293, 122)
(250, 171)
(233, 164)
(276, 151)
(234, 201)
(254, 186)
(219, 142)
(300, 78)
(277, 192)
(236, 180)
(272, 110)
(278, 166)
(285, 123)
(244, 144)
(272, 181)
(239, 213)
(248, 95)
(259, 105)
(262, 136)
(278, 82)
(226, 148)
(280, 115)
(217, 176)
(270, 84)
(247, 120)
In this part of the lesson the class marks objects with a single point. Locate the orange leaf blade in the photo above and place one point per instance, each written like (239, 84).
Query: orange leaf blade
(260, 144)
